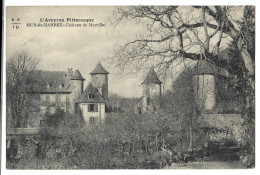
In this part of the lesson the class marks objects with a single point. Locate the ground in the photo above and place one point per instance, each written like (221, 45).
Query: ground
(205, 165)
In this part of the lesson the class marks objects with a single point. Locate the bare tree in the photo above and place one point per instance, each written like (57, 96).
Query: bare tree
(194, 32)
(176, 32)
(20, 78)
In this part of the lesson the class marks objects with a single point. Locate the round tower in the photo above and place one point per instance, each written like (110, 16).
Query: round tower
(77, 83)
(204, 84)
(99, 79)
(151, 90)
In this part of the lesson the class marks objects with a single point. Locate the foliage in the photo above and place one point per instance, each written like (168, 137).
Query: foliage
(56, 118)
(20, 76)
(123, 141)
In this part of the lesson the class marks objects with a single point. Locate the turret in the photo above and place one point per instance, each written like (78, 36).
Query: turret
(99, 79)
(151, 89)
(151, 84)
(77, 83)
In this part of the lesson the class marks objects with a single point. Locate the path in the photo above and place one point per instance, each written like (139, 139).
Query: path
(205, 165)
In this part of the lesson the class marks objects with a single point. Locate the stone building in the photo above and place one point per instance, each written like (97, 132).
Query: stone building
(150, 100)
(64, 90)
(94, 98)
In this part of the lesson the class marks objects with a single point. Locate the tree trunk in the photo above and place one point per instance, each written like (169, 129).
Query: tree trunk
(246, 56)
(191, 137)
(249, 65)
(156, 142)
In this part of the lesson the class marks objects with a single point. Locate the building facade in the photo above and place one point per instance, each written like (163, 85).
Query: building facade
(64, 90)
(95, 97)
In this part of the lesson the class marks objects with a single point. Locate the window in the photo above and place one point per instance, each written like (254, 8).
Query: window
(92, 108)
(61, 85)
(53, 98)
(92, 120)
(148, 101)
(139, 110)
(43, 97)
(96, 108)
(63, 99)
(58, 99)
(90, 96)
(47, 98)
(48, 85)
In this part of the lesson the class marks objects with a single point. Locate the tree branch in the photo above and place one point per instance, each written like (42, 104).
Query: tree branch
(206, 45)
(160, 40)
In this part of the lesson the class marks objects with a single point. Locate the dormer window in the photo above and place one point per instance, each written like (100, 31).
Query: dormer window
(90, 96)
(48, 85)
(61, 85)
(148, 101)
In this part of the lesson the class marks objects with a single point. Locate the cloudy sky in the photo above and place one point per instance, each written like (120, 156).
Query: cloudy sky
(79, 48)
(73, 47)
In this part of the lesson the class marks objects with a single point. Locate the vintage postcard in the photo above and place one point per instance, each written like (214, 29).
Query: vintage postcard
(130, 87)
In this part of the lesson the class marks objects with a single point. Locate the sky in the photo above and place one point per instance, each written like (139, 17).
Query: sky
(59, 48)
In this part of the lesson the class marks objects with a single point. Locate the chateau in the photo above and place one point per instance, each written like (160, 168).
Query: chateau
(64, 90)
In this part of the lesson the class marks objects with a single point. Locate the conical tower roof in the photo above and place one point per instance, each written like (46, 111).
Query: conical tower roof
(204, 67)
(151, 78)
(77, 76)
(99, 69)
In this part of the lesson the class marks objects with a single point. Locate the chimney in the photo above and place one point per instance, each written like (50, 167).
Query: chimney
(69, 72)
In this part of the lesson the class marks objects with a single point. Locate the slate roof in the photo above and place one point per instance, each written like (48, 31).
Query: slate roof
(138, 100)
(99, 69)
(97, 98)
(54, 79)
(204, 67)
(151, 78)
(77, 76)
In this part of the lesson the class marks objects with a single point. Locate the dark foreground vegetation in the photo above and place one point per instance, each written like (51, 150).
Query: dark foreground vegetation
(125, 141)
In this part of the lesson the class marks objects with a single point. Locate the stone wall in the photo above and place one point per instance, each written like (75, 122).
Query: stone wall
(223, 127)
